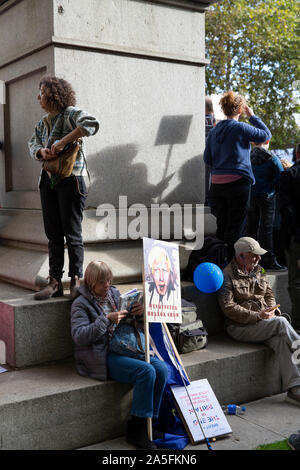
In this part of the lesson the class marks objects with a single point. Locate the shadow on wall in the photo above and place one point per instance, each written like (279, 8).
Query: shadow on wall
(114, 173)
(190, 190)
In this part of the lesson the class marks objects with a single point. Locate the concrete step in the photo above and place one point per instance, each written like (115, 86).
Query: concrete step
(52, 407)
(24, 252)
(271, 419)
(210, 313)
(36, 332)
(21, 264)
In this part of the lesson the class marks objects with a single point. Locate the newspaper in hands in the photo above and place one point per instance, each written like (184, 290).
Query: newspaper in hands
(130, 298)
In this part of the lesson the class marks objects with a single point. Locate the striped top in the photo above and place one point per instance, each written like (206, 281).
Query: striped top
(53, 127)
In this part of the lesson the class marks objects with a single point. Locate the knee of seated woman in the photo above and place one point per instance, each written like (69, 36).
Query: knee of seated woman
(161, 368)
(147, 369)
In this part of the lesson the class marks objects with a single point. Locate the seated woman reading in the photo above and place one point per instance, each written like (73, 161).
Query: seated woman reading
(94, 317)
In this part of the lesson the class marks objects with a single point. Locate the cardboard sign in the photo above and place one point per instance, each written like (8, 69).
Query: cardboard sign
(200, 404)
(161, 282)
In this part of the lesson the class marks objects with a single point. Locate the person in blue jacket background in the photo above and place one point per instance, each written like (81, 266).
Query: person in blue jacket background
(227, 153)
(267, 169)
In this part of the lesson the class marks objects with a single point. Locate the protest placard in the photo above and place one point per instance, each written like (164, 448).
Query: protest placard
(161, 281)
(197, 403)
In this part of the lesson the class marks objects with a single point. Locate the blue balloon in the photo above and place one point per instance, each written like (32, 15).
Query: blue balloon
(208, 277)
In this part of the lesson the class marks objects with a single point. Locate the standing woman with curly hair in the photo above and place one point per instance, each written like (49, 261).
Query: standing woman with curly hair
(62, 199)
(227, 153)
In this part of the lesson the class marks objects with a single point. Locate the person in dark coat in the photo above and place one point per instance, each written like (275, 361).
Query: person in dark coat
(289, 195)
(94, 315)
(267, 169)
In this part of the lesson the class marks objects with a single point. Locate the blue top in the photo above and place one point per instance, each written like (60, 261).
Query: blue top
(228, 146)
(267, 170)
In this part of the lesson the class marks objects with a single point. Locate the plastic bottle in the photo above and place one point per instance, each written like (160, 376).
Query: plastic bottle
(233, 409)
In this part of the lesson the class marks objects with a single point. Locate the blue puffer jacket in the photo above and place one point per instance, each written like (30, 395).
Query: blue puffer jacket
(89, 330)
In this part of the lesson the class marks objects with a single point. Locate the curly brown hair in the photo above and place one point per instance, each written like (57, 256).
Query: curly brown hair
(232, 103)
(59, 93)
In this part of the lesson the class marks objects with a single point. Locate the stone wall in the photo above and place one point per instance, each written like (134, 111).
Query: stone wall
(139, 67)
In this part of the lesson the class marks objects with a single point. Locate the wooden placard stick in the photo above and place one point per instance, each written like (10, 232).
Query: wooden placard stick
(174, 348)
(147, 350)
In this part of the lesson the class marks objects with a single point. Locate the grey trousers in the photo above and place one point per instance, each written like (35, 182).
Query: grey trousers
(279, 335)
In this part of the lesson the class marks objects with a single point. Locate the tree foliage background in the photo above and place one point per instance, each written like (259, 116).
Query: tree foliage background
(253, 46)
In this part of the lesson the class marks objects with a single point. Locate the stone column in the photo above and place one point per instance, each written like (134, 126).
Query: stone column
(139, 67)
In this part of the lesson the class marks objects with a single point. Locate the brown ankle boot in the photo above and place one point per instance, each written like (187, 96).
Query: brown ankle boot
(74, 284)
(54, 288)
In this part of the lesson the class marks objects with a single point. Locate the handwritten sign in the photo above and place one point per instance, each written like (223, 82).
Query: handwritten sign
(204, 408)
(161, 281)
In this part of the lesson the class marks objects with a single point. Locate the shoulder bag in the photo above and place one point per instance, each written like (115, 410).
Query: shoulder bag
(62, 165)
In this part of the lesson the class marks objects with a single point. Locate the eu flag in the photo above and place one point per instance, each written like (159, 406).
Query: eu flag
(175, 435)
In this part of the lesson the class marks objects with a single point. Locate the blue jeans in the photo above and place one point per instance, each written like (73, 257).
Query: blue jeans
(148, 382)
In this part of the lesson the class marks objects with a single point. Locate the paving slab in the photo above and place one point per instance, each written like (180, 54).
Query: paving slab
(268, 420)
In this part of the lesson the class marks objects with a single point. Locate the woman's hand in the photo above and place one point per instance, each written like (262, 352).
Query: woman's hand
(58, 146)
(75, 134)
(248, 111)
(46, 154)
(116, 317)
(137, 310)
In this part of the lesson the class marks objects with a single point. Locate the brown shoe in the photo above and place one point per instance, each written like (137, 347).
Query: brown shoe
(74, 285)
(41, 281)
(54, 288)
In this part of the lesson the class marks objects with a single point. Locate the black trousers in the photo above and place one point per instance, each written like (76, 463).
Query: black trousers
(261, 222)
(62, 208)
(230, 204)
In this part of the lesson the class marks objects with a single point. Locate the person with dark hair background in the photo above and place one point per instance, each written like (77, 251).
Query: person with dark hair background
(289, 195)
(267, 169)
(62, 199)
(210, 120)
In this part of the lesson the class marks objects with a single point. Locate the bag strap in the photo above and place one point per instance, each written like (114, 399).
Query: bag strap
(152, 344)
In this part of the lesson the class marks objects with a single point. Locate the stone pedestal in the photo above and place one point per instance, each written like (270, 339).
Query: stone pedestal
(139, 67)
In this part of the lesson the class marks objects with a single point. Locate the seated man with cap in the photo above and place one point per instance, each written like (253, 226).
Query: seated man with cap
(248, 302)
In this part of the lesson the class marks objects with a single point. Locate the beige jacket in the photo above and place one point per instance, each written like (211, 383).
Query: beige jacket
(242, 295)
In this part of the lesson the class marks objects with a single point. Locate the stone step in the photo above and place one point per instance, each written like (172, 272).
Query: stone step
(21, 264)
(52, 407)
(35, 332)
(268, 420)
(24, 252)
(210, 313)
